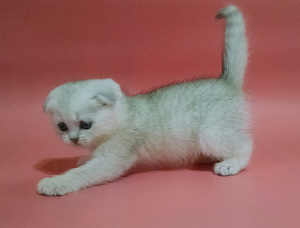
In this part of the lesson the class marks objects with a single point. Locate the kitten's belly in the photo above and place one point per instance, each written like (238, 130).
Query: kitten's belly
(169, 151)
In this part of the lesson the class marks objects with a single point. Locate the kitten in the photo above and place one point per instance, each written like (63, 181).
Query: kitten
(178, 124)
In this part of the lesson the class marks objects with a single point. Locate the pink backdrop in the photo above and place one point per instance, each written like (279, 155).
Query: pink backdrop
(141, 44)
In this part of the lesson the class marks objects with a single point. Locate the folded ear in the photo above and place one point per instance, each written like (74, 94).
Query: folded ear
(45, 106)
(105, 97)
(50, 101)
(106, 91)
(48, 104)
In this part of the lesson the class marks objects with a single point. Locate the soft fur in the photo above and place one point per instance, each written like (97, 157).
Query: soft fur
(178, 124)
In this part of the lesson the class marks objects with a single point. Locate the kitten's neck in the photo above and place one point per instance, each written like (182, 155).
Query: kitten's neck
(139, 113)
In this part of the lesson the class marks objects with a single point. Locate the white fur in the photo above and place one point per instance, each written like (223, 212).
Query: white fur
(179, 124)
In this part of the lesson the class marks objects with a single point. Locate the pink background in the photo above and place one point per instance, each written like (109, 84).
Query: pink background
(141, 44)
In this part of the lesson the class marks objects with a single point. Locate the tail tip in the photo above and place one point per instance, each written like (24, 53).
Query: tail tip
(227, 12)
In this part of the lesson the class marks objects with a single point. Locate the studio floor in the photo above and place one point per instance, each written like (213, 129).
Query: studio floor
(141, 44)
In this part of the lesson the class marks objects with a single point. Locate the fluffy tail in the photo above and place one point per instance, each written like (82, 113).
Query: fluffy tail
(235, 50)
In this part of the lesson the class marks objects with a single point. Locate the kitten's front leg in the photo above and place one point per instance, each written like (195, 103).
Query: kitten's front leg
(102, 168)
(84, 159)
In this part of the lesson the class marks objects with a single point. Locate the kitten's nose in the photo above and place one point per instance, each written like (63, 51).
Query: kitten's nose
(74, 140)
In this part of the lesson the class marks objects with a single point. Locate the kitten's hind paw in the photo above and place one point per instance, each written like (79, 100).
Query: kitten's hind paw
(227, 168)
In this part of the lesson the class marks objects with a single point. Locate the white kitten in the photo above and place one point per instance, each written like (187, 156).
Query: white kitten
(178, 124)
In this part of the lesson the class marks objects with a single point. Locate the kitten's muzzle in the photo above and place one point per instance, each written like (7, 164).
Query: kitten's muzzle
(74, 140)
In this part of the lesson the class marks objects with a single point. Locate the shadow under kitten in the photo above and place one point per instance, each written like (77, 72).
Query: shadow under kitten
(57, 166)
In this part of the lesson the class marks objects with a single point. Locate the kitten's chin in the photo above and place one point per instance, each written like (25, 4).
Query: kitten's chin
(76, 144)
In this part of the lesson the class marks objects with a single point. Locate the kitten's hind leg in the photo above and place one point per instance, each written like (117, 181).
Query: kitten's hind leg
(235, 164)
(230, 148)
(228, 167)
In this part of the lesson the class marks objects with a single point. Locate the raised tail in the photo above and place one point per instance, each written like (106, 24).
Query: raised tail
(235, 50)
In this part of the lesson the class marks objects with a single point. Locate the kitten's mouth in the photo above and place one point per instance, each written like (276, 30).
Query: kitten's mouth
(75, 141)
(81, 144)
(78, 143)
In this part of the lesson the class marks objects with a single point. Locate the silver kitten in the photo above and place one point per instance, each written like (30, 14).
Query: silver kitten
(178, 124)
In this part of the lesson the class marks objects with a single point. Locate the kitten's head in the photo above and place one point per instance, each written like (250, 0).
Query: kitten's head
(85, 111)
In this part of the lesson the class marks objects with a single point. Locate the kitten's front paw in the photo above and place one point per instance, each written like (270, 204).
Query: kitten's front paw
(54, 186)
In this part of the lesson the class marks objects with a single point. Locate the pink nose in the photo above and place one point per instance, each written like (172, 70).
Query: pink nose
(74, 140)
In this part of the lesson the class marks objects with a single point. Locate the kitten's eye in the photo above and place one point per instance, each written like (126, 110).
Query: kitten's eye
(62, 126)
(85, 125)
